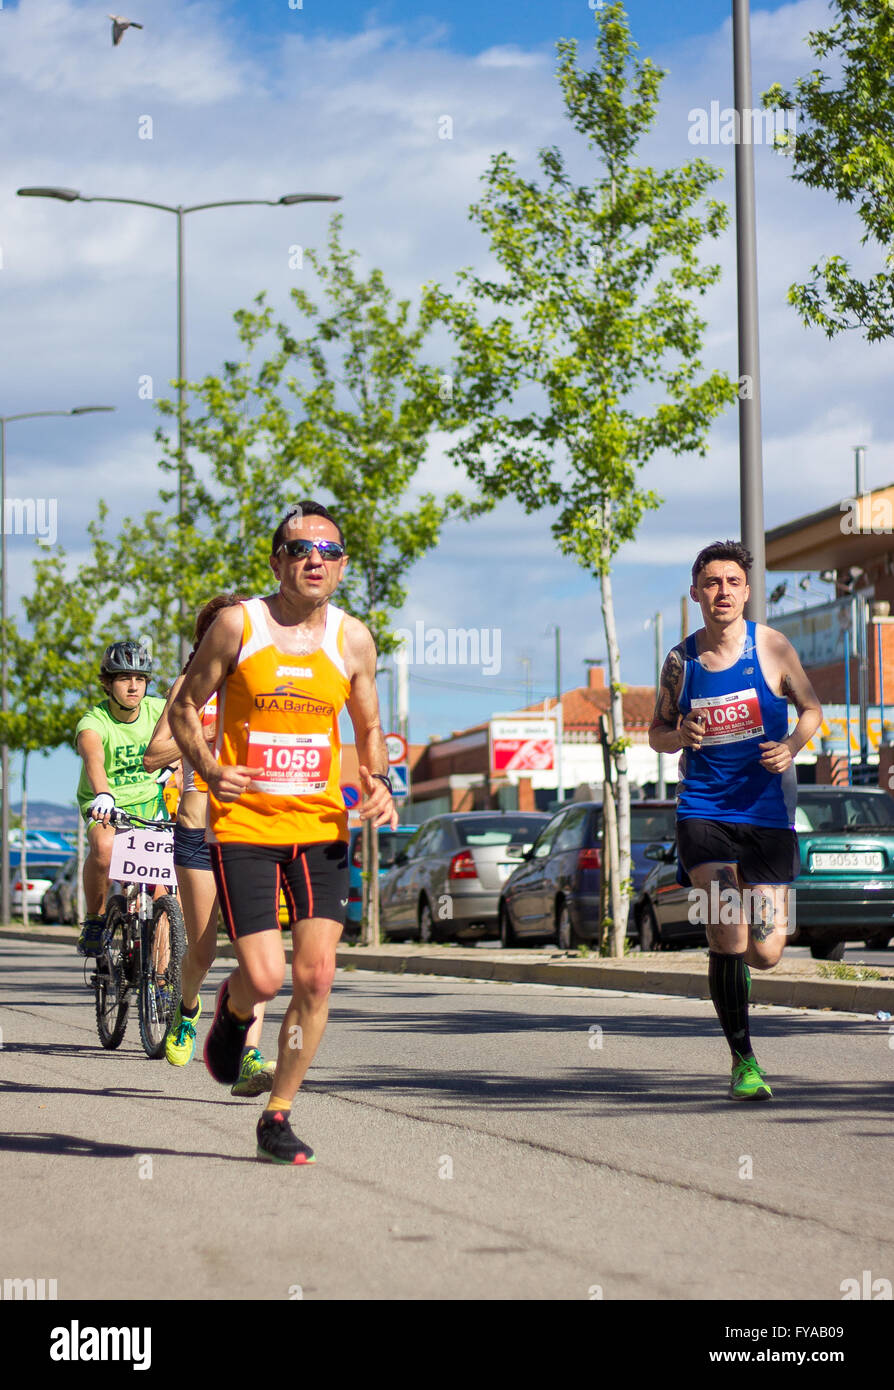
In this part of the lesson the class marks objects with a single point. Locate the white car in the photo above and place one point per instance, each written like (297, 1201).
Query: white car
(41, 876)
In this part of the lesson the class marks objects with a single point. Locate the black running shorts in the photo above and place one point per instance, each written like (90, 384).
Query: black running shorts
(313, 878)
(762, 854)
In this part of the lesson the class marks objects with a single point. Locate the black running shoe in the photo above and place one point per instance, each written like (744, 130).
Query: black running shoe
(90, 941)
(277, 1141)
(225, 1041)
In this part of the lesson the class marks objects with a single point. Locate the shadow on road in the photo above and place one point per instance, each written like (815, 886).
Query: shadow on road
(458, 1021)
(610, 1092)
(74, 1146)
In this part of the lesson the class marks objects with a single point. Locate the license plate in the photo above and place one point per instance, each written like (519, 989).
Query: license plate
(848, 859)
(504, 870)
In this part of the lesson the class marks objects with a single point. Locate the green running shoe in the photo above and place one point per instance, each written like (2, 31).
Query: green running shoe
(748, 1081)
(180, 1039)
(255, 1075)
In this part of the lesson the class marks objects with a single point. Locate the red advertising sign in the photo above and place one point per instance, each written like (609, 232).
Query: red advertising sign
(522, 745)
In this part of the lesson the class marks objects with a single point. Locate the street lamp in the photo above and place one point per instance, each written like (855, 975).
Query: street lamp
(5, 903)
(72, 195)
(751, 477)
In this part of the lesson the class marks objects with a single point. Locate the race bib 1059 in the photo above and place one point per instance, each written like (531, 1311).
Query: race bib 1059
(289, 764)
(730, 718)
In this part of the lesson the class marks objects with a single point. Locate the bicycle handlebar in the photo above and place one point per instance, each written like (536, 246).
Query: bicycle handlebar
(124, 820)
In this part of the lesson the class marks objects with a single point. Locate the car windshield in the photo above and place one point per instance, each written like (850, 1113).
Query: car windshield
(391, 842)
(841, 810)
(508, 830)
(43, 870)
(652, 823)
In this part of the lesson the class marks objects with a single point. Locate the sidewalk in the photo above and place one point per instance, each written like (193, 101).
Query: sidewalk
(795, 983)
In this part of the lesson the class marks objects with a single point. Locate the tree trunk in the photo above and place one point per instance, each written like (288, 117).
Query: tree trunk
(374, 886)
(23, 860)
(609, 869)
(365, 857)
(620, 878)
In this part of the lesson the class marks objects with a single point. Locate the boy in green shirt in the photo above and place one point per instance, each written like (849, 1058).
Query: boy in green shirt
(111, 739)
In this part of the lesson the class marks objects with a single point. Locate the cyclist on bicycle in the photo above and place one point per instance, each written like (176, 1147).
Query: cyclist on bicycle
(198, 891)
(111, 739)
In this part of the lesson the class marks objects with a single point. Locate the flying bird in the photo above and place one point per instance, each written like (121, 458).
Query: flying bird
(119, 27)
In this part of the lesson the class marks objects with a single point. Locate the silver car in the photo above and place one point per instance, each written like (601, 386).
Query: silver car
(446, 881)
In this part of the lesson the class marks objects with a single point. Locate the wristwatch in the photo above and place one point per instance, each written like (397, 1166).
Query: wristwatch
(381, 777)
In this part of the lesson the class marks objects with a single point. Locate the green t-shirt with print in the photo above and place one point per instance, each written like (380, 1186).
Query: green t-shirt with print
(124, 746)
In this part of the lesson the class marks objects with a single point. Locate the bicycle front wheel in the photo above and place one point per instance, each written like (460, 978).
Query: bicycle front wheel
(110, 976)
(165, 945)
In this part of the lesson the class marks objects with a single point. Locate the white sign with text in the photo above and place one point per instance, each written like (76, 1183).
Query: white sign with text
(143, 856)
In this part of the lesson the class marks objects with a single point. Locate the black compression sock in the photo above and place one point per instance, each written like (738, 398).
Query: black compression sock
(188, 1013)
(728, 982)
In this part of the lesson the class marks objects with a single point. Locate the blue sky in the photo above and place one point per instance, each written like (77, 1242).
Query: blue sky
(255, 99)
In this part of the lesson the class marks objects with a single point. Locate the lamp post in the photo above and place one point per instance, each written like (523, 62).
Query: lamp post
(71, 195)
(5, 903)
(751, 477)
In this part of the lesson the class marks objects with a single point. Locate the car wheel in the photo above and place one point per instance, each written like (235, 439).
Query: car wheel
(426, 923)
(827, 950)
(649, 933)
(508, 939)
(566, 936)
(880, 942)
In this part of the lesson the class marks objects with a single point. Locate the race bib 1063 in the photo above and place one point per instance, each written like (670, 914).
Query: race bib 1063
(289, 764)
(730, 718)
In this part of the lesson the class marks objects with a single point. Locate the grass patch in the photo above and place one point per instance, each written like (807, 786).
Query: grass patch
(840, 970)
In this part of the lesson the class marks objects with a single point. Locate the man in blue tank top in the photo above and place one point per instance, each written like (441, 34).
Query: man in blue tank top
(723, 700)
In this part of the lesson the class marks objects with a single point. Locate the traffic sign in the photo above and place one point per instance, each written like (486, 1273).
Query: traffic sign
(351, 794)
(396, 748)
(400, 780)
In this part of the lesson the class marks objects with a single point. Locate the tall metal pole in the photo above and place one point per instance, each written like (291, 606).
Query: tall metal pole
(661, 788)
(751, 483)
(863, 678)
(847, 702)
(859, 469)
(560, 722)
(181, 405)
(5, 900)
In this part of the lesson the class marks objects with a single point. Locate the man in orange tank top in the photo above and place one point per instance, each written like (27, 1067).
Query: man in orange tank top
(283, 667)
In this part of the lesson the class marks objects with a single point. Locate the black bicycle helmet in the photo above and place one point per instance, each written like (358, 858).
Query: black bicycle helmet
(125, 659)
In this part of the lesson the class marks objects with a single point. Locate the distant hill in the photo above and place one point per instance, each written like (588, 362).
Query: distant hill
(48, 815)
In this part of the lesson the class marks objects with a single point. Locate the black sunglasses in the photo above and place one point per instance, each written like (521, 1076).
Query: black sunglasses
(302, 549)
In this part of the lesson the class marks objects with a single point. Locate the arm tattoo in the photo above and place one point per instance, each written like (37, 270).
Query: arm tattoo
(667, 711)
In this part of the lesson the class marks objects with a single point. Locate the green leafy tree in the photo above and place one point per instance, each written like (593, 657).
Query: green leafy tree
(844, 142)
(594, 310)
(345, 414)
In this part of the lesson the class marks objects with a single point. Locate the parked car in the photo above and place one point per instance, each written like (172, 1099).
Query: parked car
(555, 893)
(40, 876)
(390, 843)
(844, 892)
(60, 901)
(446, 881)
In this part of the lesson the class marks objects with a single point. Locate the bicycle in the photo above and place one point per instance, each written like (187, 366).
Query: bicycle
(143, 947)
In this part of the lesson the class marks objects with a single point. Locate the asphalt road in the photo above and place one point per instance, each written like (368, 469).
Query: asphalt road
(474, 1140)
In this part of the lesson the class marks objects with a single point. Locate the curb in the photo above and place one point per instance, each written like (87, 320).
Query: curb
(791, 991)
